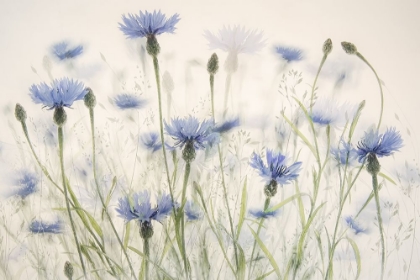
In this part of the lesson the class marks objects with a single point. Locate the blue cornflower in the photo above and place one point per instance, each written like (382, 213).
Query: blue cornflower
(289, 54)
(259, 214)
(276, 171)
(379, 144)
(61, 93)
(192, 211)
(326, 111)
(346, 154)
(43, 227)
(128, 101)
(148, 24)
(27, 182)
(351, 223)
(151, 141)
(226, 126)
(164, 207)
(62, 51)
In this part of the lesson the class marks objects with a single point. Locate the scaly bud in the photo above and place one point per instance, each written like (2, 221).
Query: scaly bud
(60, 116)
(213, 64)
(327, 47)
(90, 99)
(349, 47)
(20, 113)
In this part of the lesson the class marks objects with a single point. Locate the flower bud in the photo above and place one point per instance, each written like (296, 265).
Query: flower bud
(188, 154)
(146, 230)
(270, 190)
(152, 46)
(90, 99)
(20, 113)
(373, 166)
(213, 64)
(327, 47)
(68, 270)
(349, 48)
(60, 116)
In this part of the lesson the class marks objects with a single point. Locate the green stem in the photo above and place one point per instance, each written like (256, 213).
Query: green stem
(359, 55)
(227, 91)
(61, 148)
(212, 94)
(266, 204)
(146, 252)
(181, 212)
(92, 125)
(381, 230)
(324, 58)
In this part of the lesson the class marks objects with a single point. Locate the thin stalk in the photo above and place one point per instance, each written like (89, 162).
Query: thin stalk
(223, 177)
(359, 55)
(181, 212)
(227, 91)
(92, 125)
(324, 58)
(61, 149)
(266, 204)
(146, 252)
(381, 230)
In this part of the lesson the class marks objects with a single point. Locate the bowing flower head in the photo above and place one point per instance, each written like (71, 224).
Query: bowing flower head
(329, 112)
(344, 153)
(38, 226)
(128, 101)
(62, 51)
(260, 214)
(289, 54)
(27, 182)
(276, 171)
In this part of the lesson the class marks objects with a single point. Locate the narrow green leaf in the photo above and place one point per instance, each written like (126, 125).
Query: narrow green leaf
(300, 134)
(284, 202)
(240, 274)
(127, 235)
(109, 196)
(242, 212)
(152, 262)
(357, 255)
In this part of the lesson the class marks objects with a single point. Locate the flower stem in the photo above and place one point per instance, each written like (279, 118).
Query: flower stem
(92, 125)
(61, 149)
(381, 230)
(359, 55)
(146, 252)
(181, 213)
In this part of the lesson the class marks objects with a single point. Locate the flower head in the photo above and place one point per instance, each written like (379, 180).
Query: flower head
(192, 211)
(289, 54)
(164, 207)
(344, 155)
(276, 168)
(328, 112)
(27, 182)
(62, 51)
(128, 101)
(260, 214)
(355, 226)
(151, 141)
(147, 24)
(379, 144)
(61, 93)
(226, 126)
(38, 226)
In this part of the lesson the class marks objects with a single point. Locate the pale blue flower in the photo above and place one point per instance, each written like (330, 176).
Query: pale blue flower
(355, 226)
(193, 211)
(260, 214)
(61, 93)
(276, 168)
(289, 54)
(27, 183)
(189, 129)
(379, 144)
(128, 101)
(164, 207)
(147, 24)
(151, 141)
(345, 154)
(62, 51)
(226, 126)
(38, 226)
(327, 111)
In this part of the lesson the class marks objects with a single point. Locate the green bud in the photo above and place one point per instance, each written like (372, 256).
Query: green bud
(213, 64)
(20, 113)
(188, 154)
(349, 47)
(270, 190)
(152, 46)
(68, 270)
(327, 47)
(373, 166)
(90, 99)
(60, 116)
(146, 230)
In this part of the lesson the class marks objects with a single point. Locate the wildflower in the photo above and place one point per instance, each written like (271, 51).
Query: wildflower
(379, 144)
(68, 270)
(345, 155)
(27, 182)
(192, 211)
(355, 226)
(226, 126)
(276, 171)
(165, 206)
(38, 226)
(148, 25)
(61, 93)
(289, 54)
(128, 101)
(151, 141)
(235, 40)
(259, 214)
(328, 112)
(62, 51)
(192, 134)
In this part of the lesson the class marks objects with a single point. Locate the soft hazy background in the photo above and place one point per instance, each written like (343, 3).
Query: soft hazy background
(385, 32)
